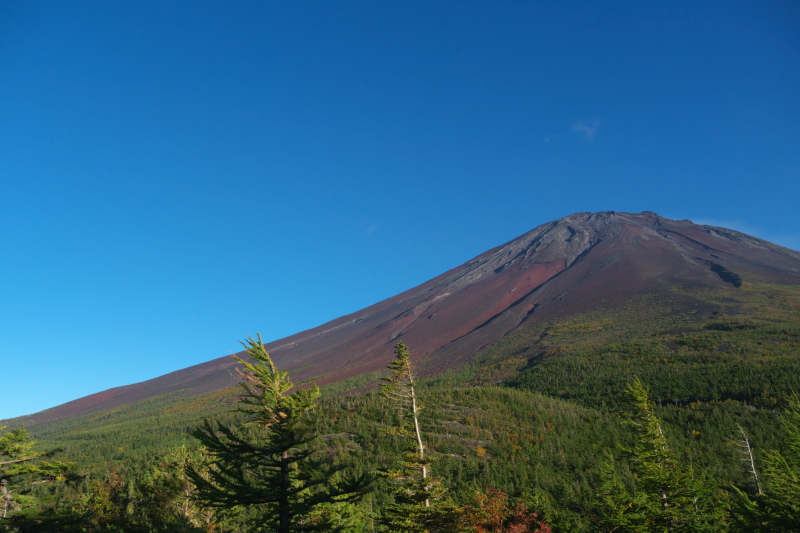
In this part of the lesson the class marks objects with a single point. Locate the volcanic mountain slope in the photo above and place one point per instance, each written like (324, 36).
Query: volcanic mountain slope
(570, 265)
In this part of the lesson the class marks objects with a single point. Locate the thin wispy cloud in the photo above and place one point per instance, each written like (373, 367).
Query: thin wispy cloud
(371, 229)
(586, 127)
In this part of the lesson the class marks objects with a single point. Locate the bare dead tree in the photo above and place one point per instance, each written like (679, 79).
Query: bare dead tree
(747, 456)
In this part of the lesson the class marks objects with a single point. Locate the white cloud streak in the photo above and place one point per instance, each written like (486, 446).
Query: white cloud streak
(586, 127)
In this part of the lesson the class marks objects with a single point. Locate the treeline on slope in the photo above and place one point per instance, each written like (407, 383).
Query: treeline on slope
(737, 367)
(744, 350)
(548, 438)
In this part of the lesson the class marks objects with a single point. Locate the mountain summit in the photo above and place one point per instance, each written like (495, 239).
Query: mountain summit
(567, 266)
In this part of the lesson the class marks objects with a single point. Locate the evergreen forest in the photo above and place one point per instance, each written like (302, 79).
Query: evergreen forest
(675, 412)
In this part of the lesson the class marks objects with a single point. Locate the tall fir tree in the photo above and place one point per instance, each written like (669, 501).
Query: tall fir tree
(268, 464)
(667, 496)
(417, 493)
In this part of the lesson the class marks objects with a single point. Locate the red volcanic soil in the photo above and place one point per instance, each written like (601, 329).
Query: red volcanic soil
(557, 269)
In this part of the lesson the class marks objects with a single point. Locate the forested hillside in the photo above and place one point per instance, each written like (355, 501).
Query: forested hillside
(544, 423)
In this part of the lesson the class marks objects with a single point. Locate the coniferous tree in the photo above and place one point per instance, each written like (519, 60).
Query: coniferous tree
(667, 496)
(21, 469)
(267, 465)
(416, 491)
(777, 506)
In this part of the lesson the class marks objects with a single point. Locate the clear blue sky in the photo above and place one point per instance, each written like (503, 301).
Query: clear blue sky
(177, 175)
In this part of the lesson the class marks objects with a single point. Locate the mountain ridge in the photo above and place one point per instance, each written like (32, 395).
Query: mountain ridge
(565, 266)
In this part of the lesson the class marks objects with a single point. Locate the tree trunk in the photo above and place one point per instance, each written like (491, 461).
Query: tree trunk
(420, 445)
(285, 486)
(8, 499)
